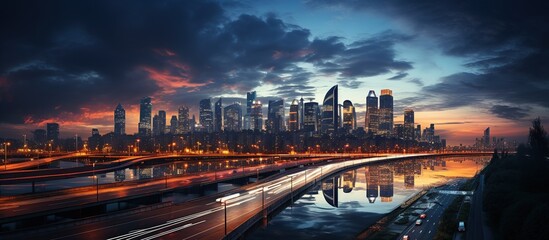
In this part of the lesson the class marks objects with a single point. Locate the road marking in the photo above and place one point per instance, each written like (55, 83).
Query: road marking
(421, 231)
(170, 223)
(429, 231)
(173, 230)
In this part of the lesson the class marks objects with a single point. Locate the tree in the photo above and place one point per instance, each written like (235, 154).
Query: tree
(537, 140)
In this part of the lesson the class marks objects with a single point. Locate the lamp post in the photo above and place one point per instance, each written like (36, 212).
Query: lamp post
(137, 144)
(263, 200)
(6, 144)
(225, 209)
(166, 178)
(96, 183)
(292, 189)
(49, 145)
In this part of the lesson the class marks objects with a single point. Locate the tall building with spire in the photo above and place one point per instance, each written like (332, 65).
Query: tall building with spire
(119, 120)
(145, 111)
(330, 116)
(275, 116)
(293, 121)
(218, 119)
(386, 112)
(372, 113)
(349, 116)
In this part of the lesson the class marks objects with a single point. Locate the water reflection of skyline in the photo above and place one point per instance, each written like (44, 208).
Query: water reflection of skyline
(312, 217)
(379, 179)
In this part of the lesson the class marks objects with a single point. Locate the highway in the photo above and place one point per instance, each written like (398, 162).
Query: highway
(202, 218)
(475, 227)
(48, 201)
(428, 228)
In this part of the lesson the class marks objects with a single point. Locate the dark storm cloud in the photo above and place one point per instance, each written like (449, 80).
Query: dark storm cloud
(508, 112)
(294, 91)
(506, 44)
(62, 58)
(366, 58)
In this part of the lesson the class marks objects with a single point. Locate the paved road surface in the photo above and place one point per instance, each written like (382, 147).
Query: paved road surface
(428, 228)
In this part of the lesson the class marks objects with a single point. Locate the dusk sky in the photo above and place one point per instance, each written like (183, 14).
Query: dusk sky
(463, 65)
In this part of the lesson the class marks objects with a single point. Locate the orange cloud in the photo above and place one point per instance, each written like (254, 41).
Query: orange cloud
(169, 81)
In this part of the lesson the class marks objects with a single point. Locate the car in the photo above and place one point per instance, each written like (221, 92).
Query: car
(461, 226)
(405, 237)
(418, 222)
(423, 216)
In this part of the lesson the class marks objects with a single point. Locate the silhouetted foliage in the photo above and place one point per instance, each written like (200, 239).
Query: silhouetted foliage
(516, 192)
(495, 156)
(538, 141)
(535, 225)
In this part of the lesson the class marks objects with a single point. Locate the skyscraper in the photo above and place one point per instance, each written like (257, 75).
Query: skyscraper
(218, 120)
(173, 125)
(233, 117)
(372, 183)
(386, 182)
(486, 138)
(294, 116)
(301, 113)
(386, 112)
(156, 125)
(275, 116)
(256, 116)
(250, 98)
(40, 137)
(52, 132)
(119, 120)
(349, 116)
(329, 122)
(417, 133)
(145, 111)
(183, 124)
(162, 121)
(311, 117)
(372, 115)
(409, 124)
(159, 123)
(206, 115)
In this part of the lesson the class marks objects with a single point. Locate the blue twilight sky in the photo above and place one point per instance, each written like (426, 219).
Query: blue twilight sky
(463, 65)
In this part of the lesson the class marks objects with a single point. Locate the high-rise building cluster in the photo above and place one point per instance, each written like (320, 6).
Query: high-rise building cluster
(306, 117)
(297, 124)
(487, 143)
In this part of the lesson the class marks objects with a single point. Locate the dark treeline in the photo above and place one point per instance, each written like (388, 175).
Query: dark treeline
(516, 198)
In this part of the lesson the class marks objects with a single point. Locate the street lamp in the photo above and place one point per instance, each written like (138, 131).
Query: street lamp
(96, 183)
(223, 201)
(138, 140)
(6, 144)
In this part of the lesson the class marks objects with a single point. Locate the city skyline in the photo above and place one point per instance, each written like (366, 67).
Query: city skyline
(78, 70)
